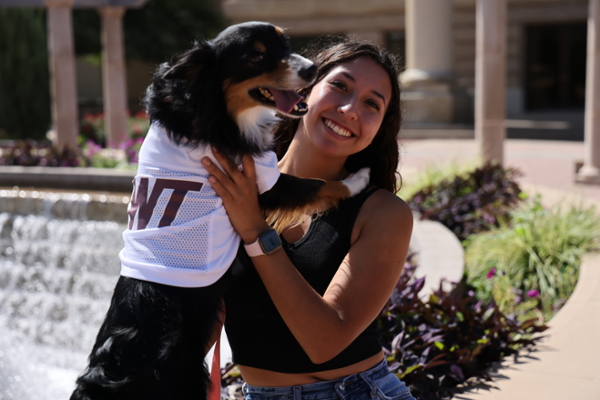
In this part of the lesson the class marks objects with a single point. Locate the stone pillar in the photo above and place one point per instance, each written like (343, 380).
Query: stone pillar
(490, 79)
(427, 92)
(114, 83)
(590, 172)
(63, 81)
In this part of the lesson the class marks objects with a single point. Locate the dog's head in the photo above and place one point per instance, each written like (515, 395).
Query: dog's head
(248, 70)
(259, 69)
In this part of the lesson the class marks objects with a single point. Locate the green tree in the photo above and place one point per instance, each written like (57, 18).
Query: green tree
(24, 76)
(153, 33)
(156, 31)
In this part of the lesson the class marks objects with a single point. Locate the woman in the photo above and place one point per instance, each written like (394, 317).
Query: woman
(300, 320)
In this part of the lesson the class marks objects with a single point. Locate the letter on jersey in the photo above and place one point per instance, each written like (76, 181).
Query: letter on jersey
(145, 205)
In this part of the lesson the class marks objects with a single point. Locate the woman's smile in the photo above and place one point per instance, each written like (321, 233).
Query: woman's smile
(346, 107)
(337, 129)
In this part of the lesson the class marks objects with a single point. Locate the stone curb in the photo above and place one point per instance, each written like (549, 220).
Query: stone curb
(66, 205)
(439, 253)
(587, 290)
(100, 179)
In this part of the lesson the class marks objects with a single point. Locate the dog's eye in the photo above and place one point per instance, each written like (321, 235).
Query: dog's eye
(256, 58)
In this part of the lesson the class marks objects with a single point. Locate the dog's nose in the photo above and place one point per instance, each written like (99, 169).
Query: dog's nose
(308, 73)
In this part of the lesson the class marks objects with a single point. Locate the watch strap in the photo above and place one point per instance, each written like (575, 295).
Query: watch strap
(253, 249)
(266, 243)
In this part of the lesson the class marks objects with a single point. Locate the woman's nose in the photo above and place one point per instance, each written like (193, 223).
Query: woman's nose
(348, 110)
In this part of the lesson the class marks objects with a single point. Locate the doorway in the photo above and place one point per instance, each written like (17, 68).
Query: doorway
(555, 66)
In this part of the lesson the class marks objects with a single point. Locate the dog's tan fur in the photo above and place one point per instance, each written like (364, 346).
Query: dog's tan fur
(236, 94)
(329, 196)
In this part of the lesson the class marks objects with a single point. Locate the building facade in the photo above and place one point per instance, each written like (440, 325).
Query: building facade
(545, 47)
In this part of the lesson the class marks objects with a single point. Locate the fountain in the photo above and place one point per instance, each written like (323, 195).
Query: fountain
(59, 263)
(58, 266)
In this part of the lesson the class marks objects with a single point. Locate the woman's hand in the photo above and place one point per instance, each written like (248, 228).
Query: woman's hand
(239, 193)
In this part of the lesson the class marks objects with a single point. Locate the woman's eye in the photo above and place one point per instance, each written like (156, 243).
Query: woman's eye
(339, 84)
(374, 104)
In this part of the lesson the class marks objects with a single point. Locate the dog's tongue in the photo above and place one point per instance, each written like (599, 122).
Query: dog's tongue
(285, 100)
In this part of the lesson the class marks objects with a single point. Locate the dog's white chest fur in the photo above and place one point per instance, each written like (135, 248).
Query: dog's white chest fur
(256, 124)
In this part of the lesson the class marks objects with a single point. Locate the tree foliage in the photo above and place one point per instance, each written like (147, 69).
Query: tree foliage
(153, 33)
(24, 76)
(156, 31)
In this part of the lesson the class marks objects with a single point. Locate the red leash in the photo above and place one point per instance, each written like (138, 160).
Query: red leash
(214, 393)
(215, 372)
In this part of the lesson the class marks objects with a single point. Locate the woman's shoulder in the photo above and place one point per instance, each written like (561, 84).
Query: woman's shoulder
(384, 202)
(384, 209)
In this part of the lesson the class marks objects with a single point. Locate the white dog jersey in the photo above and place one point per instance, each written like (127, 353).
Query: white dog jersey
(179, 233)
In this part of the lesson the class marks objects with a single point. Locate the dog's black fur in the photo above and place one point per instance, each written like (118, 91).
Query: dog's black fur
(188, 98)
(154, 339)
(152, 343)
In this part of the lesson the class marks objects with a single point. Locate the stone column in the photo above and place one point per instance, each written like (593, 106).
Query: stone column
(490, 79)
(427, 91)
(590, 172)
(114, 83)
(63, 81)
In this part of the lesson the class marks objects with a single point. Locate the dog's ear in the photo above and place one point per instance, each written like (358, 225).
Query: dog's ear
(192, 62)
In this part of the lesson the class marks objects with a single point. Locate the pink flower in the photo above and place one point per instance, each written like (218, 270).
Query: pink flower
(533, 293)
(491, 273)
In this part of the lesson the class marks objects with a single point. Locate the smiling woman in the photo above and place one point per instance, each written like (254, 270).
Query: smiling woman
(382, 154)
(310, 331)
(346, 109)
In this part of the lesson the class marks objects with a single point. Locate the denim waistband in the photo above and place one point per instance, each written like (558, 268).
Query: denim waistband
(345, 383)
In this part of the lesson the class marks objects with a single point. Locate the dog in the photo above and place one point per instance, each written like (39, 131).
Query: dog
(225, 94)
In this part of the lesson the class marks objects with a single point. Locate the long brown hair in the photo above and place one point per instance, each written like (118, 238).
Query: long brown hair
(382, 155)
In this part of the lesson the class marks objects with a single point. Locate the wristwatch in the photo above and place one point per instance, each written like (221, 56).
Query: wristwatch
(267, 243)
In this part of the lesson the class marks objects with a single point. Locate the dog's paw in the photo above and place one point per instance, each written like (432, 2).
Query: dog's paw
(357, 181)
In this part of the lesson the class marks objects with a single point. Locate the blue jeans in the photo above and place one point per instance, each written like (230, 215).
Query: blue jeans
(375, 383)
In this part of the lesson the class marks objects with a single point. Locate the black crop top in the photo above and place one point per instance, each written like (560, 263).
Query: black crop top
(257, 334)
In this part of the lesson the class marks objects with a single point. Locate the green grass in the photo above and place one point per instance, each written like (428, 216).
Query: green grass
(532, 265)
(434, 175)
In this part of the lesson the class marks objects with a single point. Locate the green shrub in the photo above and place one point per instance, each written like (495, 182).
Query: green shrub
(434, 344)
(534, 259)
(433, 175)
(472, 202)
(24, 75)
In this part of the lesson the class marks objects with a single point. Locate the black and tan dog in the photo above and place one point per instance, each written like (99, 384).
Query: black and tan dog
(222, 94)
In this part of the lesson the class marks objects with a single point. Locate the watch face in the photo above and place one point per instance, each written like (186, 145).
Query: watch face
(270, 241)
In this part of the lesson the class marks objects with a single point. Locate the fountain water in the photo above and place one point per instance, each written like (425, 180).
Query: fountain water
(58, 266)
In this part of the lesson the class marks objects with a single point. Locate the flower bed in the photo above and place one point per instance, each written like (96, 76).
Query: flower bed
(521, 256)
(92, 150)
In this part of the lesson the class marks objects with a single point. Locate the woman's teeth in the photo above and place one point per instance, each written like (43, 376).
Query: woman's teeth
(337, 129)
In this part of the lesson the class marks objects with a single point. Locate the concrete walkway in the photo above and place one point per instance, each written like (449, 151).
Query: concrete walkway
(565, 363)
(548, 167)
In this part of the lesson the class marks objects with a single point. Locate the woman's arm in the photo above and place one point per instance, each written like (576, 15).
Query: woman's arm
(325, 325)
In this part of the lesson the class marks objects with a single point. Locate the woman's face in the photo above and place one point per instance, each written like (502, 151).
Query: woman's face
(346, 107)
